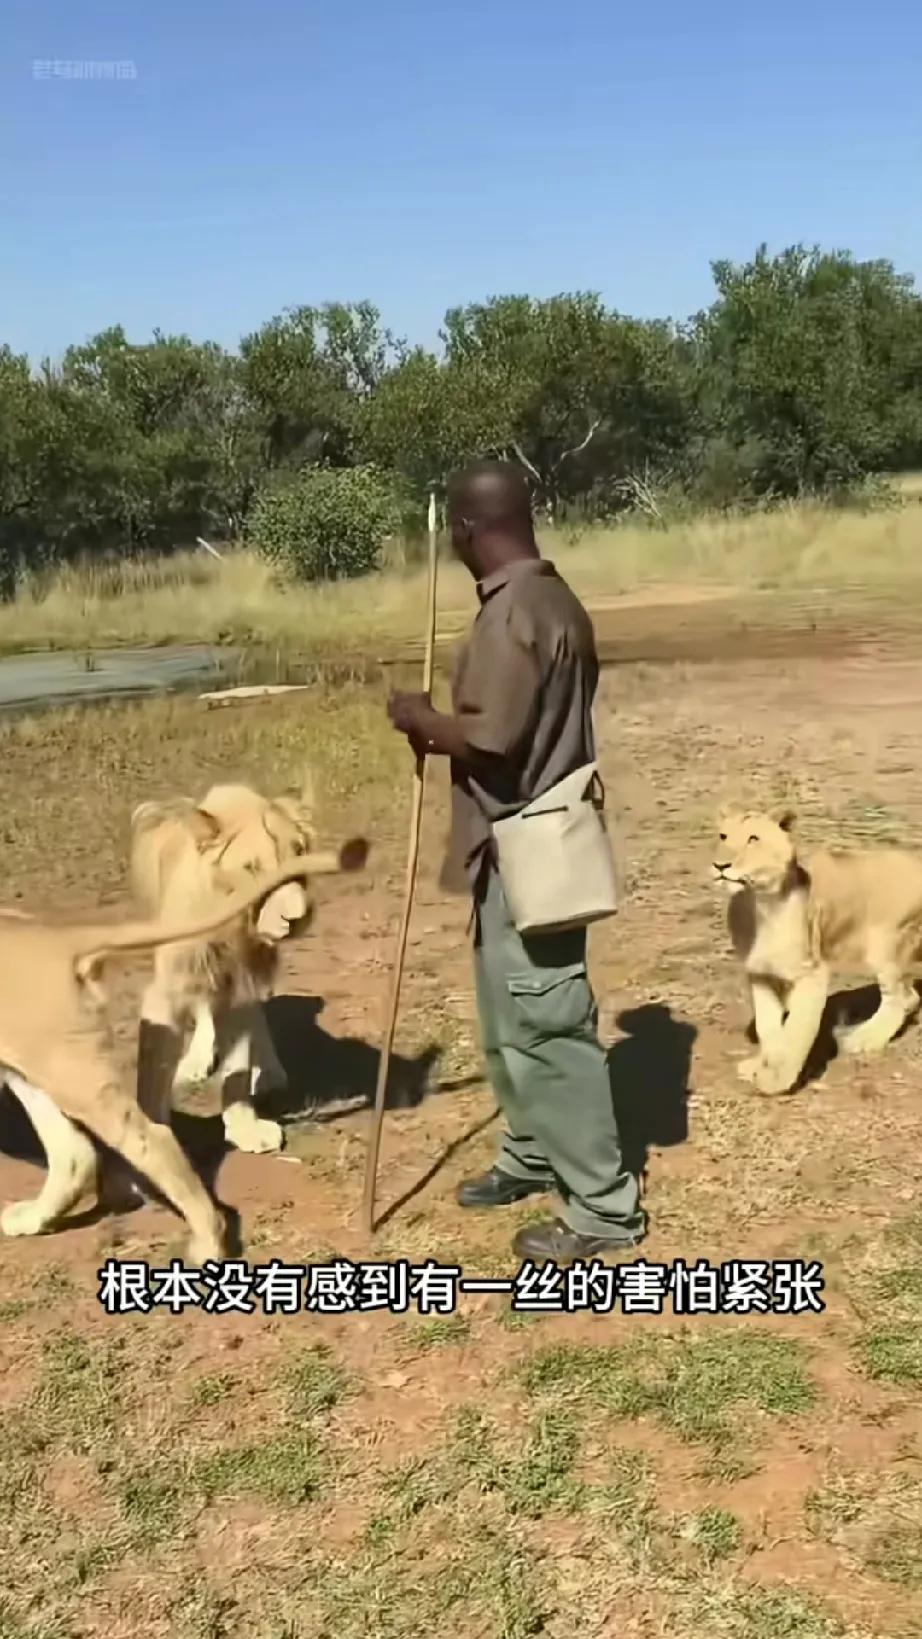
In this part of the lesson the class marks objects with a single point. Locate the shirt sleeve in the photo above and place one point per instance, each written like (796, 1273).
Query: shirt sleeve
(498, 694)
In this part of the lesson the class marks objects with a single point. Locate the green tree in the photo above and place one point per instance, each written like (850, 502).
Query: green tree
(582, 389)
(810, 362)
(308, 373)
(326, 523)
(429, 415)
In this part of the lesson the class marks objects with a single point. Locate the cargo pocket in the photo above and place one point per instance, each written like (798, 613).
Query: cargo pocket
(556, 1002)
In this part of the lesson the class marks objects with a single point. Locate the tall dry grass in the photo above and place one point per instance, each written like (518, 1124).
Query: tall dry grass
(193, 598)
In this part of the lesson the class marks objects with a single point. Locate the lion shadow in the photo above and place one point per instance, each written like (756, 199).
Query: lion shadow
(323, 1069)
(649, 1070)
(648, 1067)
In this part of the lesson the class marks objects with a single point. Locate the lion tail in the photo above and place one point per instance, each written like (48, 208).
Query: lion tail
(94, 945)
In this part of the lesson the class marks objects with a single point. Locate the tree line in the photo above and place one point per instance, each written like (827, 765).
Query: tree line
(803, 376)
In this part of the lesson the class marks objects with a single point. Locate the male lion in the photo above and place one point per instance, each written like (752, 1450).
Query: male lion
(56, 1053)
(188, 854)
(793, 922)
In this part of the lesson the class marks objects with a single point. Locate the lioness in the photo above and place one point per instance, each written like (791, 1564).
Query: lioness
(187, 854)
(793, 922)
(56, 1053)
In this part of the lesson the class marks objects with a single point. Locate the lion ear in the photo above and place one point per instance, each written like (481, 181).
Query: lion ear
(205, 828)
(785, 819)
(299, 816)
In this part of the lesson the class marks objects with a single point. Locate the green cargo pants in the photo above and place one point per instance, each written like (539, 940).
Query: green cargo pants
(538, 1024)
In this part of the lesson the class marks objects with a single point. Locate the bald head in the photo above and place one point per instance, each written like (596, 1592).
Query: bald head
(489, 509)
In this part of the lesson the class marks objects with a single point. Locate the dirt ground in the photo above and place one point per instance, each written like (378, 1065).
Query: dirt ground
(491, 1472)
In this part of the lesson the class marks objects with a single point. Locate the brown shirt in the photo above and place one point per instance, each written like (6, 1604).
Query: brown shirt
(523, 690)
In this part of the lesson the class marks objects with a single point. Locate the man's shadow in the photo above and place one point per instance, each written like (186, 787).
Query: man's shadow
(649, 1071)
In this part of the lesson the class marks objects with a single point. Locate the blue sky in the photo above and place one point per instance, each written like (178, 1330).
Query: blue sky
(272, 152)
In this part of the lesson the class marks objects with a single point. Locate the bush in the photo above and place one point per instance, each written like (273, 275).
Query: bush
(326, 523)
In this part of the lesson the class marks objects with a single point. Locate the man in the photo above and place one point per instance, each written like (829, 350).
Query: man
(521, 722)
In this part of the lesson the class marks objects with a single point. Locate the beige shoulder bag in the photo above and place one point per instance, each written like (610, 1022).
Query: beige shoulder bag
(555, 858)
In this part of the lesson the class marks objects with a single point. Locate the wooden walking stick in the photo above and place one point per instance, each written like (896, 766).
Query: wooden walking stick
(419, 780)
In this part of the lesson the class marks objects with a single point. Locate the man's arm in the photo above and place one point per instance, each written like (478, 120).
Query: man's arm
(495, 707)
(430, 732)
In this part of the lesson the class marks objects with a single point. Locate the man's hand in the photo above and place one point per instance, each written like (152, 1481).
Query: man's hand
(409, 714)
(429, 732)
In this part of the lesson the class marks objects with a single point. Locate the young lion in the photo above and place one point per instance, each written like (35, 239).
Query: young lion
(793, 922)
(56, 1053)
(187, 854)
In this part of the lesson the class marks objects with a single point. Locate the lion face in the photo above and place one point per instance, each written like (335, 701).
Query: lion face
(755, 850)
(252, 835)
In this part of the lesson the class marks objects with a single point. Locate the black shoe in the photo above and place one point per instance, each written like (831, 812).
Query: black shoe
(556, 1242)
(498, 1188)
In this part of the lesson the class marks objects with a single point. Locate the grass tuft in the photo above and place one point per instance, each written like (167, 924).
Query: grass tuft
(693, 1384)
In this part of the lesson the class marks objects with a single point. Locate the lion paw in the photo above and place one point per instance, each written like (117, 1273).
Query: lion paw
(748, 1069)
(204, 1249)
(23, 1218)
(775, 1078)
(247, 1132)
(861, 1040)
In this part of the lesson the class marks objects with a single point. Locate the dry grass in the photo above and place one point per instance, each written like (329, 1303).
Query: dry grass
(193, 598)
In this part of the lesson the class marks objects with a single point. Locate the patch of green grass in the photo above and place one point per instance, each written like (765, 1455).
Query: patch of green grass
(478, 1578)
(199, 1612)
(542, 1479)
(877, 1518)
(531, 1473)
(287, 1469)
(437, 1330)
(517, 1320)
(93, 1559)
(152, 1502)
(731, 1612)
(892, 1355)
(624, 1501)
(14, 1308)
(695, 1384)
(902, 1284)
(51, 1286)
(54, 1283)
(317, 1382)
(11, 1627)
(79, 1395)
(532, 1478)
(716, 1532)
(211, 1389)
(897, 1556)
(726, 1466)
